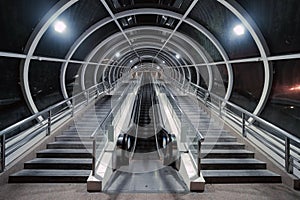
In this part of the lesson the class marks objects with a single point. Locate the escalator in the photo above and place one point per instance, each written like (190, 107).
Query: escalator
(145, 169)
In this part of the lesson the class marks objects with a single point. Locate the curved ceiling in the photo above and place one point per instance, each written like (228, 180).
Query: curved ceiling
(209, 43)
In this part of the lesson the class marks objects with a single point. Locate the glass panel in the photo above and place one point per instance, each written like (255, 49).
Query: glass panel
(283, 107)
(44, 82)
(220, 83)
(73, 79)
(89, 76)
(93, 40)
(221, 22)
(248, 84)
(13, 107)
(18, 19)
(77, 19)
(204, 78)
(279, 23)
(207, 46)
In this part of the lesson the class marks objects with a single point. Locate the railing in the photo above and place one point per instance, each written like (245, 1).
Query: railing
(42, 121)
(284, 146)
(188, 131)
(101, 136)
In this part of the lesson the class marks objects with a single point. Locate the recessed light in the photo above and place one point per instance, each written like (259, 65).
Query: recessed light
(239, 30)
(59, 26)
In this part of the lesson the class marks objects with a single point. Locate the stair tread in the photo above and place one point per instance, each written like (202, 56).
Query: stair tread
(230, 161)
(223, 143)
(69, 151)
(60, 161)
(226, 151)
(238, 173)
(51, 173)
(71, 142)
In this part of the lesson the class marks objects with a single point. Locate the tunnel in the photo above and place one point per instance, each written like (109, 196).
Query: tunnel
(152, 96)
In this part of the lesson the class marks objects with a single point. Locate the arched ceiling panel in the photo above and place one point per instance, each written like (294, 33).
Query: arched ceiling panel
(77, 19)
(220, 21)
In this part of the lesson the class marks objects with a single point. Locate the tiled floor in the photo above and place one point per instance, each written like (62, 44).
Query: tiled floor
(78, 191)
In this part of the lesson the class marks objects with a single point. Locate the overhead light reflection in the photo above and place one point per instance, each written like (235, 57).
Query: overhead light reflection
(60, 26)
(239, 30)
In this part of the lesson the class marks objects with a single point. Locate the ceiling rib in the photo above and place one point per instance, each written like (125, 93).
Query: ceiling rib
(177, 26)
(119, 26)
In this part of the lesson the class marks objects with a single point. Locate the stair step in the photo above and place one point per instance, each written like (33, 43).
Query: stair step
(64, 153)
(244, 163)
(59, 163)
(227, 153)
(72, 138)
(240, 176)
(50, 176)
(209, 138)
(69, 145)
(219, 132)
(222, 145)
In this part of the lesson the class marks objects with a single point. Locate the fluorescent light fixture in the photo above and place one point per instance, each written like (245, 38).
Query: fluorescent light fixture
(239, 30)
(118, 54)
(178, 56)
(59, 26)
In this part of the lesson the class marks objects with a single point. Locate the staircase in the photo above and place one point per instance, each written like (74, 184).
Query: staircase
(224, 160)
(68, 159)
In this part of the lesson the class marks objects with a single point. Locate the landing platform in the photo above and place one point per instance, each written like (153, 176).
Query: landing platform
(78, 191)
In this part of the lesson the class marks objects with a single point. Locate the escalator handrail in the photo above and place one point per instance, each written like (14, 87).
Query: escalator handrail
(199, 135)
(138, 116)
(112, 110)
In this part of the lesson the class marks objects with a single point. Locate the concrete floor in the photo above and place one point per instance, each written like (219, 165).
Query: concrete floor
(78, 191)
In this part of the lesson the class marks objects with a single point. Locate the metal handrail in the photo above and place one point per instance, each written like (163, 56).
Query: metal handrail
(47, 122)
(288, 164)
(122, 97)
(93, 135)
(136, 130)
(36, 115)
(277, 129)
(200, 137)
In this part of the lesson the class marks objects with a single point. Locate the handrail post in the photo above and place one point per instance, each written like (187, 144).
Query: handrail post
(49, 123)
(199, 158)
(94, 157)
(288, 166)
(87, 97)
(73, 106)
(243, 125)
(220, 108)
(2, 143)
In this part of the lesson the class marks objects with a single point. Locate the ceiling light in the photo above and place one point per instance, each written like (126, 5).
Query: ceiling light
(178, 56)
(163, 62)
(118, 54)
(60, 26)
(239, 30)
(157, 67)
(131, 61)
